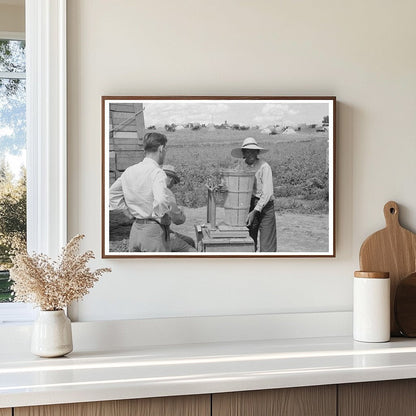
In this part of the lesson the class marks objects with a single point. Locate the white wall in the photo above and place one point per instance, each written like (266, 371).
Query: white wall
(363, 52)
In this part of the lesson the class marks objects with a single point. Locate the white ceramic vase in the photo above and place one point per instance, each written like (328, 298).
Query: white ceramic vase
(52, 334)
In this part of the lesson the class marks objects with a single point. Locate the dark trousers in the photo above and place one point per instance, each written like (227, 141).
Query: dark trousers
(265, 224)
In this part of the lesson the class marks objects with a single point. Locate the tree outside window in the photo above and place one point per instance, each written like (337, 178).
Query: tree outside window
(12, 156)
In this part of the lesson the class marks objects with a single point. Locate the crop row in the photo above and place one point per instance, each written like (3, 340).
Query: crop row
(299, 166)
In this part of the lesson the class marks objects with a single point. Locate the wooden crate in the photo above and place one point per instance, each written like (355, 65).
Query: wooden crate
(133, 135)
(226, 245)
(112, 177)
(124, 107)
(126, 136)
(112, 160)
(127, 158)
(125, 147)
(239, 186)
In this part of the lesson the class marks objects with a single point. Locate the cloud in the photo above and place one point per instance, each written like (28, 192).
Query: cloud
(181, 113)
(16, 162)
(275, 114)
(6, 131)
(275, 108)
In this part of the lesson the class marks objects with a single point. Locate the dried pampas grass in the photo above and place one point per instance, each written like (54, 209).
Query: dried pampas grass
(53, 285)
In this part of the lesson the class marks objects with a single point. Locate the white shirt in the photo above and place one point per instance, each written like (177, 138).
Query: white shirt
(142, 190)
(263, 183)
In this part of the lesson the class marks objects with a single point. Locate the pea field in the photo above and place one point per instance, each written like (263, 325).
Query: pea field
(298, 162)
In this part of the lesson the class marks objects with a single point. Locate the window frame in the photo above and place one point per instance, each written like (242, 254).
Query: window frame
(46, 138)
(46, 125)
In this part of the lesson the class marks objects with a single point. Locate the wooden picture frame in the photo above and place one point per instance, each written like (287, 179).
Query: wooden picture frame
(205, 136)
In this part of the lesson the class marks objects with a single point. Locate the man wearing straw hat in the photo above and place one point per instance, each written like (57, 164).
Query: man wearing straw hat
(261, 217)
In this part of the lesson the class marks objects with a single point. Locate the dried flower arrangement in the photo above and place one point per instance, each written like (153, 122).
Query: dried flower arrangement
(53, 285)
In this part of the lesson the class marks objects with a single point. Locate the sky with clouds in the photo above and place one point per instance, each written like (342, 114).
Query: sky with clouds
(15, 160)
(262, 113)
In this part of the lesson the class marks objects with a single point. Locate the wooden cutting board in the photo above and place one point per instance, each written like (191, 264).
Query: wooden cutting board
(405, 305)
(393, 250)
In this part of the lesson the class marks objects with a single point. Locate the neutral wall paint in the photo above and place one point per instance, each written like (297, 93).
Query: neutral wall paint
(12, 18)
(361, 52)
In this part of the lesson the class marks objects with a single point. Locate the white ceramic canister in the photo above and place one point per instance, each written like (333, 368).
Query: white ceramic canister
(371, 309)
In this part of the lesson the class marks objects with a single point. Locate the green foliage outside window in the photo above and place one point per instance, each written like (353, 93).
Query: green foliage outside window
(12, 144)
(12, 223)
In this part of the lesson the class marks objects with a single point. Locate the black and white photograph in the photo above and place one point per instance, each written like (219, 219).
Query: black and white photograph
(218, 176)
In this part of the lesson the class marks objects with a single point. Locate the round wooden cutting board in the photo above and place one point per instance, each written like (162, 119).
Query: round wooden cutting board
(393, 250)
(405, 306)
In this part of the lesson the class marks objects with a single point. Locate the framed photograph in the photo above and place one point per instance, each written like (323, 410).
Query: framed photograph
(218, 177)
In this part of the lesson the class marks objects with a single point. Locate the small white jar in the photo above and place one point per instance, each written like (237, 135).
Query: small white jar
(371, 309)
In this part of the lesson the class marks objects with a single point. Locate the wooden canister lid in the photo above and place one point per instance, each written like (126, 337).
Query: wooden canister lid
(372, 275)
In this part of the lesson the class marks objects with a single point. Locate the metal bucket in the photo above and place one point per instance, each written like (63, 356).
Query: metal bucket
(239, 185)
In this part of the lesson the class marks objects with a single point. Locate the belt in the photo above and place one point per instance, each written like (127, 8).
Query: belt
(257, 198)
(254, 201)
(146, 221)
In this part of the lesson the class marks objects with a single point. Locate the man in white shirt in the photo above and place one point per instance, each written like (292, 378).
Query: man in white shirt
(142, 191)
(261, 217)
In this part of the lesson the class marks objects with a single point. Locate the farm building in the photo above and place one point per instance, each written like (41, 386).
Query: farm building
(289, 130)
(126, 137)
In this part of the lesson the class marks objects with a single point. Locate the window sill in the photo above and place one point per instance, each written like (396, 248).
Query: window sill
(16, 313)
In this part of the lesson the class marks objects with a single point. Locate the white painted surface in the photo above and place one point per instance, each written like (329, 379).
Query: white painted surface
(12, 35)
(201, 368)
(16, 312)
(46, 125)
(361, 52)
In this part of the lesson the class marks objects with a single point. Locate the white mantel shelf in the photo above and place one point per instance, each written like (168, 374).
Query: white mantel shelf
(151, 371)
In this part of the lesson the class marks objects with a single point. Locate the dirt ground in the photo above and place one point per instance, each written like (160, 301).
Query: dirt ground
(295, 232)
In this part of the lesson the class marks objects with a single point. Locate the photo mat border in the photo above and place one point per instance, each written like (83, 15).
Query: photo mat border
(105, 100)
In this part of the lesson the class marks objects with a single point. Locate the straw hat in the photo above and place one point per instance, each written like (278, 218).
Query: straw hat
(171, 172)
(249, 143)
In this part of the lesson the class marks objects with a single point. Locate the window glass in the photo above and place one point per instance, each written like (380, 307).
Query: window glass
(12, 156)
(12, 56)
